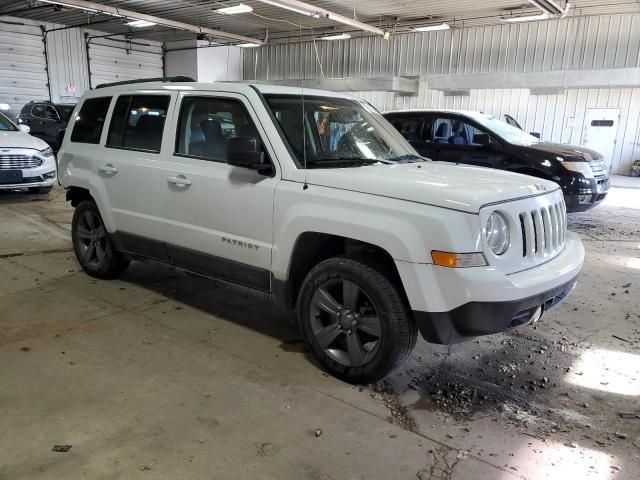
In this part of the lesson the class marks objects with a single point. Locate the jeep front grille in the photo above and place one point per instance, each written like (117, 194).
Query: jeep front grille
(544, 230)
(19, 162)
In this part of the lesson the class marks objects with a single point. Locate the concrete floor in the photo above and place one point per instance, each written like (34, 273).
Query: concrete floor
(164, 375)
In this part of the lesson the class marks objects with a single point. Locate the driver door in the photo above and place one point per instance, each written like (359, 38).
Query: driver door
(217, 218)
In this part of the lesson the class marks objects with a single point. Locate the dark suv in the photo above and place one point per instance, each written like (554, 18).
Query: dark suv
(479, 139)
(46, 120)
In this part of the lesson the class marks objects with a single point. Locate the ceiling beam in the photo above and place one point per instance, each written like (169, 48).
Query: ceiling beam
(312, 11)
(129, 14)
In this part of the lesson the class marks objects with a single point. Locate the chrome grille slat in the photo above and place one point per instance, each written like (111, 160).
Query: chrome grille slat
(19, 162)
(599, 168)
(543, 231)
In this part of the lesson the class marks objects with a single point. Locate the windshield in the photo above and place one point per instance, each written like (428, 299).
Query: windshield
(65, 111)
(337, 132)
(505, 131)
(6, 125)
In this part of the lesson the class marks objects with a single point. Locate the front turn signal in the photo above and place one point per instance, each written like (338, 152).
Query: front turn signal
(458, 260)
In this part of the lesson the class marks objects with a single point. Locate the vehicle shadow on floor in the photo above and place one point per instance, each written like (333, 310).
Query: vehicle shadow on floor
(242, 306)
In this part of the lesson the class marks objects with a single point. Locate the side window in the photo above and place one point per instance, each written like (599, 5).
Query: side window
(410, 127)
(90, 120)
(458, 132)
(50, 113)
(137, 122)
(207, 124)
(38, 111)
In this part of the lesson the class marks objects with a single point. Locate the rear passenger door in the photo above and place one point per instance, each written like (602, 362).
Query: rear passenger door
(218, 218)
(128, 168)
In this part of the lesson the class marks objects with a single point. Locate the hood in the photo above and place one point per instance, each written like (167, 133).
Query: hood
(443, 184)
(567, 152)
(20, 140)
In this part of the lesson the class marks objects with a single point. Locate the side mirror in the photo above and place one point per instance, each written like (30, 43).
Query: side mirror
(535, 134)
(481, 139)
(244, 152)
(24, 128)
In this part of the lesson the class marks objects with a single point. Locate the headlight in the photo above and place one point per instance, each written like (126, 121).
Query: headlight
(497, 233)
(580, 167)
(47, 152)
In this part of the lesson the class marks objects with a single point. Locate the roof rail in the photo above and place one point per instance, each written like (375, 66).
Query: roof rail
(179, 78)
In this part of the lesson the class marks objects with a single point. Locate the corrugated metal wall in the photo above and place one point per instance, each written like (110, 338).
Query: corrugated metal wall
(23, 71)
(603, 42)
(611, 41)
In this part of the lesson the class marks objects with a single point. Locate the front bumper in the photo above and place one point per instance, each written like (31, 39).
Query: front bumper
(43, 176)
(585, 193)
(452, 305)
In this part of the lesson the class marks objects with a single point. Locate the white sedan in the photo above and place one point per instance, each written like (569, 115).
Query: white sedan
(25, 161)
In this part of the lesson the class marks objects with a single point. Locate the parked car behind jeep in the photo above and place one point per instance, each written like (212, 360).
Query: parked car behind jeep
(46, 120)
(318, 202)
(475, 138)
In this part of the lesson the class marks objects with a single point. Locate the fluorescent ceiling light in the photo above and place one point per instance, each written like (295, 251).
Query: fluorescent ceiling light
(433, 28)
(140, 23)
(526, 18)
(248, 45)
(92, 10)
(292, 8)
(341, 36)
(235, 9)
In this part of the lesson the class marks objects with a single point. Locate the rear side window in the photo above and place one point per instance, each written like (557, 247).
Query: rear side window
(38, 111)
(410, 127)
(90, 120)
(137, 122)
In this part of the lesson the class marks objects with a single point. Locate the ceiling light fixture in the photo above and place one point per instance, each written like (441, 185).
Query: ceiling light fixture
(526, 18)
(292, 8)
(433, 28)
(235, 9)
(140, 23)
(340, 36)
(248, 45)
(165, 22)
(309, 10)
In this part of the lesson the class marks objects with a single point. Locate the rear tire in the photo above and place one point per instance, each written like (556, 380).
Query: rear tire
(40, 190)
(93, 247)
(354, 320)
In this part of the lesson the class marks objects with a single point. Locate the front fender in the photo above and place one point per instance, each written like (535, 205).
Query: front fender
(408, 231)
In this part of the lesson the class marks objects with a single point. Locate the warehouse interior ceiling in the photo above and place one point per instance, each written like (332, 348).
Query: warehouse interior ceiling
(276, 24)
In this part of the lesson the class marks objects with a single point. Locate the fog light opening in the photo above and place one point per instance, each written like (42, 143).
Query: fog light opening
(584, 198)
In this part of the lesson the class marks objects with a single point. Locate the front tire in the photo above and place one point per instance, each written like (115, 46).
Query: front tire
(354, 320)
(93, 247)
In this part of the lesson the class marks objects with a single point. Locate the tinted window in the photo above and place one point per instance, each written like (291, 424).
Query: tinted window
(90, 120)
(410, 127)
(207, 124)
(65, 111)
(602, 123)
(38, 111)
(138, 122)
(455, 132)
(50, 113)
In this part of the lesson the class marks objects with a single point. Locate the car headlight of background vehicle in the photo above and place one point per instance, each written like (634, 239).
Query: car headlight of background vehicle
(497, 233)
(581, 167)
(47, 152)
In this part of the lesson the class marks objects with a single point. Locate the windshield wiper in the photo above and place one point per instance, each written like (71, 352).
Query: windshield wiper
(327, 160)
(410, 158)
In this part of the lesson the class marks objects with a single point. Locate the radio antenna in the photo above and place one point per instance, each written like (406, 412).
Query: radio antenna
(305, 185)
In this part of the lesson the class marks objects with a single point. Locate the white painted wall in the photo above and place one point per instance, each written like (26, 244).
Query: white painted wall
(219, 64)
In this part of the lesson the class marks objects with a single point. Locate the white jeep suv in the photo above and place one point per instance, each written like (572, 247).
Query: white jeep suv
(313, 198)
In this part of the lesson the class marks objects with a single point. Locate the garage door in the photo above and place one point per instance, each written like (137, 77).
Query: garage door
(113, 60)
(23, 69)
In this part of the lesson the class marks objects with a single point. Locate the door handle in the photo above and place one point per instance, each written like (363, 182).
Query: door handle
(108, 169)
(179, 180)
